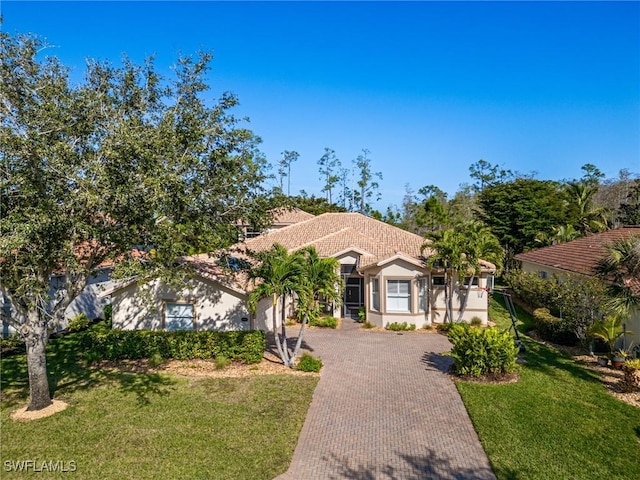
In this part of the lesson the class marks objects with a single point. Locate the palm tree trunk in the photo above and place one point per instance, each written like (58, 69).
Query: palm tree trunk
(283, 336)
(296, 350)
(274, 316)
(465, 298)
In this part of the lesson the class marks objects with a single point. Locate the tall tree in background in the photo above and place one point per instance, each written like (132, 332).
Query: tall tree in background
(589, 218)
(517, 211)
(90, 170)
(284, 168)
(345, 198)
(329, 167)
(367, 183)
(485, 174)
(629, 212)
(620, 268)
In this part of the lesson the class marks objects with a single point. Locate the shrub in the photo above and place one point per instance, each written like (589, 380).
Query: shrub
(482, 351)
(578, 303)
(362, 315)
(79, 322)
(553, 328)
(368, 325)
(309, 363)
(400, 327)
(326, 322)
(247, 347)
(12, 344)
(444, 327)
(476, 322)
(221, 362)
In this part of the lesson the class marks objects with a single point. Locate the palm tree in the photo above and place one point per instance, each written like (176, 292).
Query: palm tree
(590, 219)
(621, 269)
(460, 251)
(278, 276)
(322, 280)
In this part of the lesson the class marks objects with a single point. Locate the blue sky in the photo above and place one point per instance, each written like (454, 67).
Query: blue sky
(428, 87)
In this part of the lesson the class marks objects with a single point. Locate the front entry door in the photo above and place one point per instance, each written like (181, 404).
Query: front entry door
(353, 297)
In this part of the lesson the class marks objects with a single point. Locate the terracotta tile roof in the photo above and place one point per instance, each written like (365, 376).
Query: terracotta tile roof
(580, 255)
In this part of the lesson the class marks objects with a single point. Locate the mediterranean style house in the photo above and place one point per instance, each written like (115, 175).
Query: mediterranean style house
(578, 258)
(384, 270)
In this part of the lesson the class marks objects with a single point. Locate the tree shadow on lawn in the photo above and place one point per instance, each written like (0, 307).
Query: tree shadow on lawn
(68, 373)
(427, 466)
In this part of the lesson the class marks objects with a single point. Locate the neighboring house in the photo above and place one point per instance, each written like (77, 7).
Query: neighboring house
(383, 267)
(91, 302)
(579, 258)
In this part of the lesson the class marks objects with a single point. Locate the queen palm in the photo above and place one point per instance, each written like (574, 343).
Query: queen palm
(278, 276)
(459, 251)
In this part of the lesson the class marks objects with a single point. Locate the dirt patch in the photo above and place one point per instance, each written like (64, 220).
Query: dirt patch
(270, 365)
(489, 379)
(22, 415)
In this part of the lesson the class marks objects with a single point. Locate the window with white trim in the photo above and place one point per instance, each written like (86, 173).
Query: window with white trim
(375, 294)
(178, 316)
(437, 280)
(399, 295)
(468, 279)
(422, 295)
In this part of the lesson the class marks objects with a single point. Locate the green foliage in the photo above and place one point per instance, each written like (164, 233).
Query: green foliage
(11, 344)
(400, 327)
(247, 347)
(326, 322)
(476, 322)
(578, 302)
(362, 315)
(621, 269)
(79, 322)
(517, 211)
(552, 328)
(315, 205)
(368, 325)
(309, 363)
(609, 330)
(482, 351)
(221, 362)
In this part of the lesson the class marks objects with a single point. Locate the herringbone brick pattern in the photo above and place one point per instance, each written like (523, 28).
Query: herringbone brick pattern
(384, 409)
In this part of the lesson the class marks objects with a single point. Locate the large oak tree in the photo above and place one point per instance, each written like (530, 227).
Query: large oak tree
(90, 170)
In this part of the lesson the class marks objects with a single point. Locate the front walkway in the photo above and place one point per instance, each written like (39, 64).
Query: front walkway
(384, 409)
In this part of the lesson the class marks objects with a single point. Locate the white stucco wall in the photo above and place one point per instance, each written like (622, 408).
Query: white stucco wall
(215, 306)
(477, 302)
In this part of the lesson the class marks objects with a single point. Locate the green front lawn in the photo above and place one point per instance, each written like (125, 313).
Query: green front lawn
(558, 421)
(154, 425)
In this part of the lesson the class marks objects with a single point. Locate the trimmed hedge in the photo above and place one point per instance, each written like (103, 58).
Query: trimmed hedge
(482, 351)
(553, 328)
(400, 327)
(248, 347)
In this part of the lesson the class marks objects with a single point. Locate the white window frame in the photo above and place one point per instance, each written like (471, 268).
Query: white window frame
(375, 294)
(433, 277)
(395, 296)
(171, 304)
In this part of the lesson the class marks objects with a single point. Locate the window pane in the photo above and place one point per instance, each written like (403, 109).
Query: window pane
(399, 295)
(178, 316)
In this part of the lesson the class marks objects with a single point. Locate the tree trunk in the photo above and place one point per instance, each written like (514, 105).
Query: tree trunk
(276, 335)
(283, 336)
(36, 343)
(296, 350)
(448, 298)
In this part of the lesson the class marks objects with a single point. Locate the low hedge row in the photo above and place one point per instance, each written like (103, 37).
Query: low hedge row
(248, 347)
(482, 351)
(553, 328)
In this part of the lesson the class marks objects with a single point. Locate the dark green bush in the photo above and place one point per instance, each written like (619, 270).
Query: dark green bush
(309, 363)
(12, 344)
(482, 351)
(553, 328)
(400, 327)
(327, 322)
(248, 347)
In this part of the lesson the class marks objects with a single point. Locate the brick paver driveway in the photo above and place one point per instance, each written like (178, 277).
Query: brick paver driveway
(384, 409)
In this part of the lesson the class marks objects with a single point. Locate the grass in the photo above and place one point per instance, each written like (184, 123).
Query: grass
(151, 425)
(558, 421)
